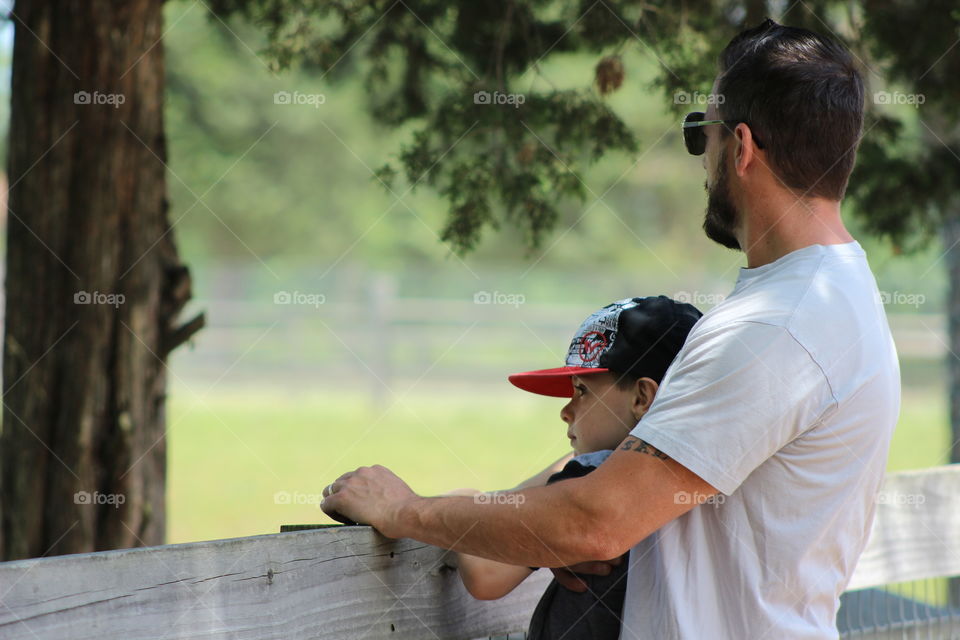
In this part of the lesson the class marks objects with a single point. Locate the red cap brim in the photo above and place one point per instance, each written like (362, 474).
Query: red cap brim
(551, 382)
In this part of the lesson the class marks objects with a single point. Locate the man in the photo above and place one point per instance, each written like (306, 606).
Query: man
(746, 493)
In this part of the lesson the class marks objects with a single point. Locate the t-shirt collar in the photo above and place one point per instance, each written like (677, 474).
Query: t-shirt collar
(844, 249)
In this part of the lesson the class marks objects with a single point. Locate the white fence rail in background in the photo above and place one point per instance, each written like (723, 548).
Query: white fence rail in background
(350, 582)
(916, 534)
(387, 339)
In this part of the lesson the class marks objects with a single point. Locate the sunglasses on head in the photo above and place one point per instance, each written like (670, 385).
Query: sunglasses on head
(693, 136)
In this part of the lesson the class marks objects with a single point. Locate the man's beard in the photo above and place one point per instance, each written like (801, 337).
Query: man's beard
(721, 219)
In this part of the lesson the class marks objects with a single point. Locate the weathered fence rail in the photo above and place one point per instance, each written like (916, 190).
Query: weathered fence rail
(350, 582)
(347, 582)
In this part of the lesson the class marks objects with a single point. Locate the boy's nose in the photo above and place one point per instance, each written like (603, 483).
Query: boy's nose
(565, 414)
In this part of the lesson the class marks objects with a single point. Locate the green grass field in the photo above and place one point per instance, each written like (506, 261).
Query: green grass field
(245, 461)
(233, 453)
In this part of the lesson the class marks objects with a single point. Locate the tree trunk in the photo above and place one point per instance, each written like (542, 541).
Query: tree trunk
(93, 282)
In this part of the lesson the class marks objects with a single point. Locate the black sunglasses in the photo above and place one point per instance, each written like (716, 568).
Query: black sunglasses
(693, 136)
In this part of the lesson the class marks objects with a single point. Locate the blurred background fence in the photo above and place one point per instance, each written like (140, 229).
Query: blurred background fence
(380, 331)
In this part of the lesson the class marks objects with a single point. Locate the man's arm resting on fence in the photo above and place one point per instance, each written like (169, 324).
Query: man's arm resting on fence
(596, 517)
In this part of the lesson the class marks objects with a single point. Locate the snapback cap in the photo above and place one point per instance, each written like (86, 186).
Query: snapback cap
(636, 336)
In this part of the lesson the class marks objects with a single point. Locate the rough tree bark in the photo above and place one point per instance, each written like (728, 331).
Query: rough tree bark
(94, 284)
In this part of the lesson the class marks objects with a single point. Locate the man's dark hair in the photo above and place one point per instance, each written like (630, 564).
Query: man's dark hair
(802, 97)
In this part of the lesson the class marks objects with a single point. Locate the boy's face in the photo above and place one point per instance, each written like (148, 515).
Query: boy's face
(600, 414)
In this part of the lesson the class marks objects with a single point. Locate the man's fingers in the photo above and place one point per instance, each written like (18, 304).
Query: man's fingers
(567, 579)
(329, 506)
(336, 485)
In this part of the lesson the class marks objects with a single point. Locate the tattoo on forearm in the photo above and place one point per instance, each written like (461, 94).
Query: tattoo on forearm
(643, 447)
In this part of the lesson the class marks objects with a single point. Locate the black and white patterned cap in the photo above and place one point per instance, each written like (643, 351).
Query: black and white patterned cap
(636, 336)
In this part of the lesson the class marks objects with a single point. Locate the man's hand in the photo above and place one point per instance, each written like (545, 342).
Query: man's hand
(369, 495)
(567, 577)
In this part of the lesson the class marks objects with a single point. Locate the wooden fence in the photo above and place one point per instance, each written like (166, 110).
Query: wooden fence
(350, 582)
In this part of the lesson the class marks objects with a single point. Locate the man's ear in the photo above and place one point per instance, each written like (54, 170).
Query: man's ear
(644, 390)
(744, 155)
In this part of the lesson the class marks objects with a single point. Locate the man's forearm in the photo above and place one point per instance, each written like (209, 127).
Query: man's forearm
(540, 526)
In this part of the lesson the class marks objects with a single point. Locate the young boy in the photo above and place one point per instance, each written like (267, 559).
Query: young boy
(613, 368)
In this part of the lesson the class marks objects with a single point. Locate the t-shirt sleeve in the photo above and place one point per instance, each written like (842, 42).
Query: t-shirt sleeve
(735, 395)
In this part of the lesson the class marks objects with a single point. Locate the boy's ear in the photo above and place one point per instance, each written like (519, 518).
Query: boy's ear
(643, 392)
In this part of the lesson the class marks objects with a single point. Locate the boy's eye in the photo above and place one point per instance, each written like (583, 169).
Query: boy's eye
(581, 388)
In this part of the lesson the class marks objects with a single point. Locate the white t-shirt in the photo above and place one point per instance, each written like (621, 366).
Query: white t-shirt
(784, 397)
